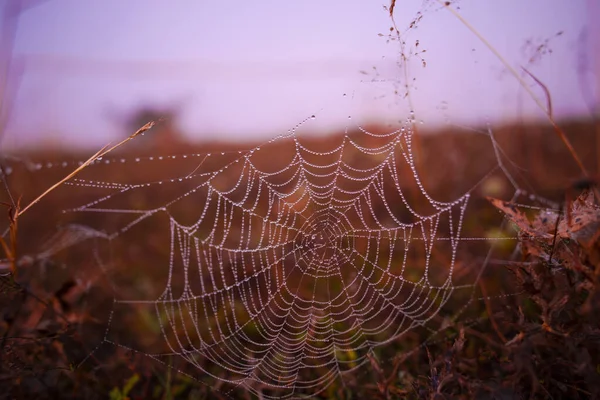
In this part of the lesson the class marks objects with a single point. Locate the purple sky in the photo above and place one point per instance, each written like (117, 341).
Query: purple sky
(255, 69)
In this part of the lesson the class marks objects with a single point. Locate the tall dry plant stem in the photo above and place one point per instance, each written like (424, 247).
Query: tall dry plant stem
(100, 153)
(547, 110)
(9, 246)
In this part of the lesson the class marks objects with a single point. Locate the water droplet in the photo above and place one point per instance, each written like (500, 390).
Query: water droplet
(137, 159)
(313, 117)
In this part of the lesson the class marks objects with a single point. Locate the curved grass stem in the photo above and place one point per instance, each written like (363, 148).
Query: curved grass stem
(519, 78)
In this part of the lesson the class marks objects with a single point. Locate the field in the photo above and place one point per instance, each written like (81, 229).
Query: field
(100, 301)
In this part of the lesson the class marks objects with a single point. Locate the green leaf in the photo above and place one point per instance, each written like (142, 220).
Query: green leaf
(130, 384)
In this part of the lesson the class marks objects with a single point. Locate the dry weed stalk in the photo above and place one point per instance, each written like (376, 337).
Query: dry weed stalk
(547, 110)
(10, 247)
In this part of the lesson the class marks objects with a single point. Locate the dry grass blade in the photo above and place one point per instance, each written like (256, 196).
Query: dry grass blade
(523, 84)
(557, 129)
(545, 89)
(100, 153)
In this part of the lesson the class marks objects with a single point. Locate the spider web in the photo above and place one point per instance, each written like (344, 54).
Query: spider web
(284, 268)
(290, 264)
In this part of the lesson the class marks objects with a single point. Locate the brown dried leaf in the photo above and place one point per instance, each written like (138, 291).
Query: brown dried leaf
(545, 221)
(584, 225)
(534, 249)
(512, 212)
